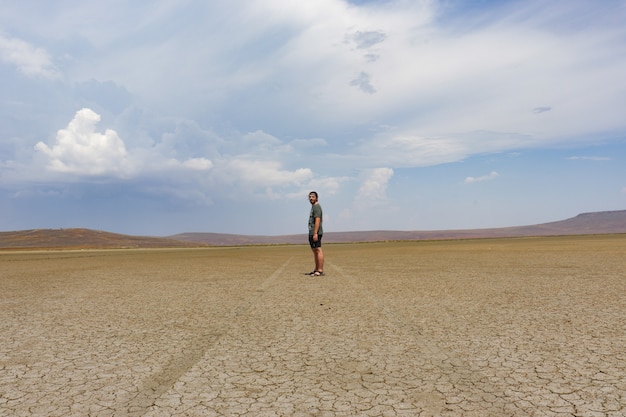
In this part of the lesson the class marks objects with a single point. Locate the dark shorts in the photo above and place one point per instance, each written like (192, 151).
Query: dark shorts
(317, 244)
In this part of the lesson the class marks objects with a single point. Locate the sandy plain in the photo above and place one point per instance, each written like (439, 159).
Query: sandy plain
(489, 327)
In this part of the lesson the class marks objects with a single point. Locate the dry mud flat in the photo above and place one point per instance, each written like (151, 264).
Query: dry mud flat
(502, 327)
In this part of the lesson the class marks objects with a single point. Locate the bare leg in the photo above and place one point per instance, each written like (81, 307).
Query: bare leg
(318, 254)
(314, 257)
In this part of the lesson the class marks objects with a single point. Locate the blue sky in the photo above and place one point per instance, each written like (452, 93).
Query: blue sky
(162, 117)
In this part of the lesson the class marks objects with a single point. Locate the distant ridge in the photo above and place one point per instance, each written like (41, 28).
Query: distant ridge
(604, 222)
(77, 238)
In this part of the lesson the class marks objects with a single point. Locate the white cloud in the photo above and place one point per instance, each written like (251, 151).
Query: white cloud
(28, 59)
(589, 158)
(329, 185)
(79, 149)
(411, 149)
(430, 79)
(491, 176)
(277, 97)
(374, 186)
(497, 76)
(259, 143)
(198, 164)
(265, 173)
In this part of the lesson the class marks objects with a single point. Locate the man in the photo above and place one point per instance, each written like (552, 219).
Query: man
(315, 234)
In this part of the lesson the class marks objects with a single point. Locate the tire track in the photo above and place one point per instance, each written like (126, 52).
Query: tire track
(138, 403)
(313, 347)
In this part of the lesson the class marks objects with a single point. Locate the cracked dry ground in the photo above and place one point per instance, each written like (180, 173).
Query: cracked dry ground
(517, 327)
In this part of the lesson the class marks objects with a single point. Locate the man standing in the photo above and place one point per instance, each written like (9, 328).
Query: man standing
(315, 234)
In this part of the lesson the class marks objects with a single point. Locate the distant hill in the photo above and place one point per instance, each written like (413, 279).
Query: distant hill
(605, 222)
(83, 239)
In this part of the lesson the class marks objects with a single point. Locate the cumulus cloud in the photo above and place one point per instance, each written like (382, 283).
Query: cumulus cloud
(27, 58)
(80, 149)
(491, 176)
(260, 141)
(265, 173)
(247, 164)
(330, 185)
(326, 186)
(198, 164)
(374, 186)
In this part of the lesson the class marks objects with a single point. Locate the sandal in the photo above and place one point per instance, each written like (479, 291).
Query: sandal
(317, 274)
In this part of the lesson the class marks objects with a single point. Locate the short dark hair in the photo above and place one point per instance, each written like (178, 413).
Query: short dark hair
(314, 193)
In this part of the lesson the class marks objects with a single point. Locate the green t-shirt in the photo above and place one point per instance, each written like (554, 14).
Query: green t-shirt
(316, 211)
